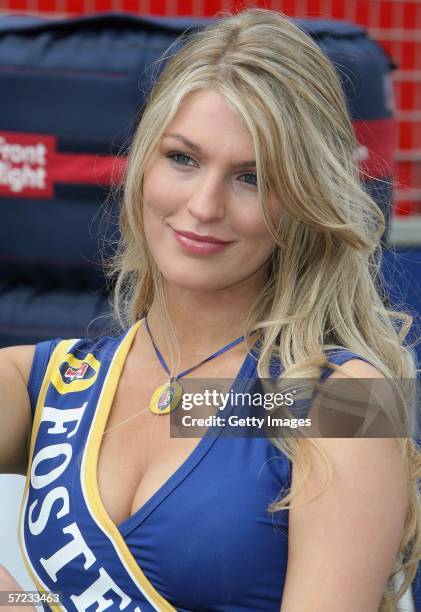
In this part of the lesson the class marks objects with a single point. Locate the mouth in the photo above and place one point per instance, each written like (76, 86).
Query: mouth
(199, 244)
(201, 237)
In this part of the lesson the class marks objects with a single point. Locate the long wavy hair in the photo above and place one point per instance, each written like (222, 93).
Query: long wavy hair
(322, 288)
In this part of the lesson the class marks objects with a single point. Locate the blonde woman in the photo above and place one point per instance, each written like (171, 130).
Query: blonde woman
(246, 241)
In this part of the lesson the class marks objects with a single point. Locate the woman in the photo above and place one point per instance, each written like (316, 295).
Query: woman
(247, 247)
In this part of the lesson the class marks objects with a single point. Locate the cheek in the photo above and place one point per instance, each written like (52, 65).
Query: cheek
(252, 227)
(258, 237)
(257, 242)
(155, 201)
(158, 190)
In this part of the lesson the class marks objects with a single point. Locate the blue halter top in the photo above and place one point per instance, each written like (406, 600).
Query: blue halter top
(204, 541)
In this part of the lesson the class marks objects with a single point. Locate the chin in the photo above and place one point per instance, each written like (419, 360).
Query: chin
(193, 284)
(194, 281)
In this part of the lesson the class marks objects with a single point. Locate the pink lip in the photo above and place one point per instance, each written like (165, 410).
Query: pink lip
(202, 238)
(198, 244)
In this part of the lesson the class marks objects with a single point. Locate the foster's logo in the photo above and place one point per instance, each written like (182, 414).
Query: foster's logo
(79, 373)
(75, 374)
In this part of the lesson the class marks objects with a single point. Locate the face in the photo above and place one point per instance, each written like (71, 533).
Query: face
(202, 217)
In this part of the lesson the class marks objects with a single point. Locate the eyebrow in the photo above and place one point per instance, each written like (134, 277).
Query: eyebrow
(198, 150)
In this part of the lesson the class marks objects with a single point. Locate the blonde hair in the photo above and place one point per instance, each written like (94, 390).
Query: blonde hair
(322, 280)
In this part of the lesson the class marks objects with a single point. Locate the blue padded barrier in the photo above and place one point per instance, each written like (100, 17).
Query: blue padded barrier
(72, 92)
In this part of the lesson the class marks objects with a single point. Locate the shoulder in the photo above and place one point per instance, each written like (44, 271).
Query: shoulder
(75, 362)
(361, 392)
(102, 348)
(99, 347)
(67, 362)
(344, 362)
(19, 358)
(356, 400)
(48, 354)
(356, 367)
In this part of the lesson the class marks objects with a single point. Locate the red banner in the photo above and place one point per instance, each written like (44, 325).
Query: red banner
(30, 166)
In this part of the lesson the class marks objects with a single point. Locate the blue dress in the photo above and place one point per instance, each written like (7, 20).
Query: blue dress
(204, 541)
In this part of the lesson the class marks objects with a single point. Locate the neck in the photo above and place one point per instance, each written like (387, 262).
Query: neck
(204, 321)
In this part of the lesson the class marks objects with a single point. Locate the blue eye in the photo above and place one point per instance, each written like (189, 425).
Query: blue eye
(176, 155)
(254, 176)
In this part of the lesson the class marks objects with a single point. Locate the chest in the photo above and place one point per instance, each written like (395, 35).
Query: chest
(211, 534)
(138, 455)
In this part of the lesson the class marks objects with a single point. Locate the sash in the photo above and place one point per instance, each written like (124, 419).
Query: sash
(68, 542)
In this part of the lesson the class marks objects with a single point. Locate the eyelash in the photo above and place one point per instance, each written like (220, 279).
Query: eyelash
(174, 154)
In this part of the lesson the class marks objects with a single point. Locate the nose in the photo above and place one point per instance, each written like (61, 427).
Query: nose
(207, 200)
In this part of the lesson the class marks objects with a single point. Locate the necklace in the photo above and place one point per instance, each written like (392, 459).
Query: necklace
(167, 397)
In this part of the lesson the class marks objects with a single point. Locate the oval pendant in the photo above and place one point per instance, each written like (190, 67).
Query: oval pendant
(166, 398)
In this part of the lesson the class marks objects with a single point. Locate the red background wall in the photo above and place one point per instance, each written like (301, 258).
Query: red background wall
(395, 24)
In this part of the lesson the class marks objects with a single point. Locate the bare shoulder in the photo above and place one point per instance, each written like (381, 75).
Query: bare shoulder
(20, 358)
(354, 454)
(356, 368)
(364, 448)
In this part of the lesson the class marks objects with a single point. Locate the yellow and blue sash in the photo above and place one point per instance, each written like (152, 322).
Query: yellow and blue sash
(69, 543)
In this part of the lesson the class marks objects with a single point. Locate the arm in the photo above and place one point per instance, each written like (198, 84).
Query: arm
(343, 544)
(15, 412)
(8, 583)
